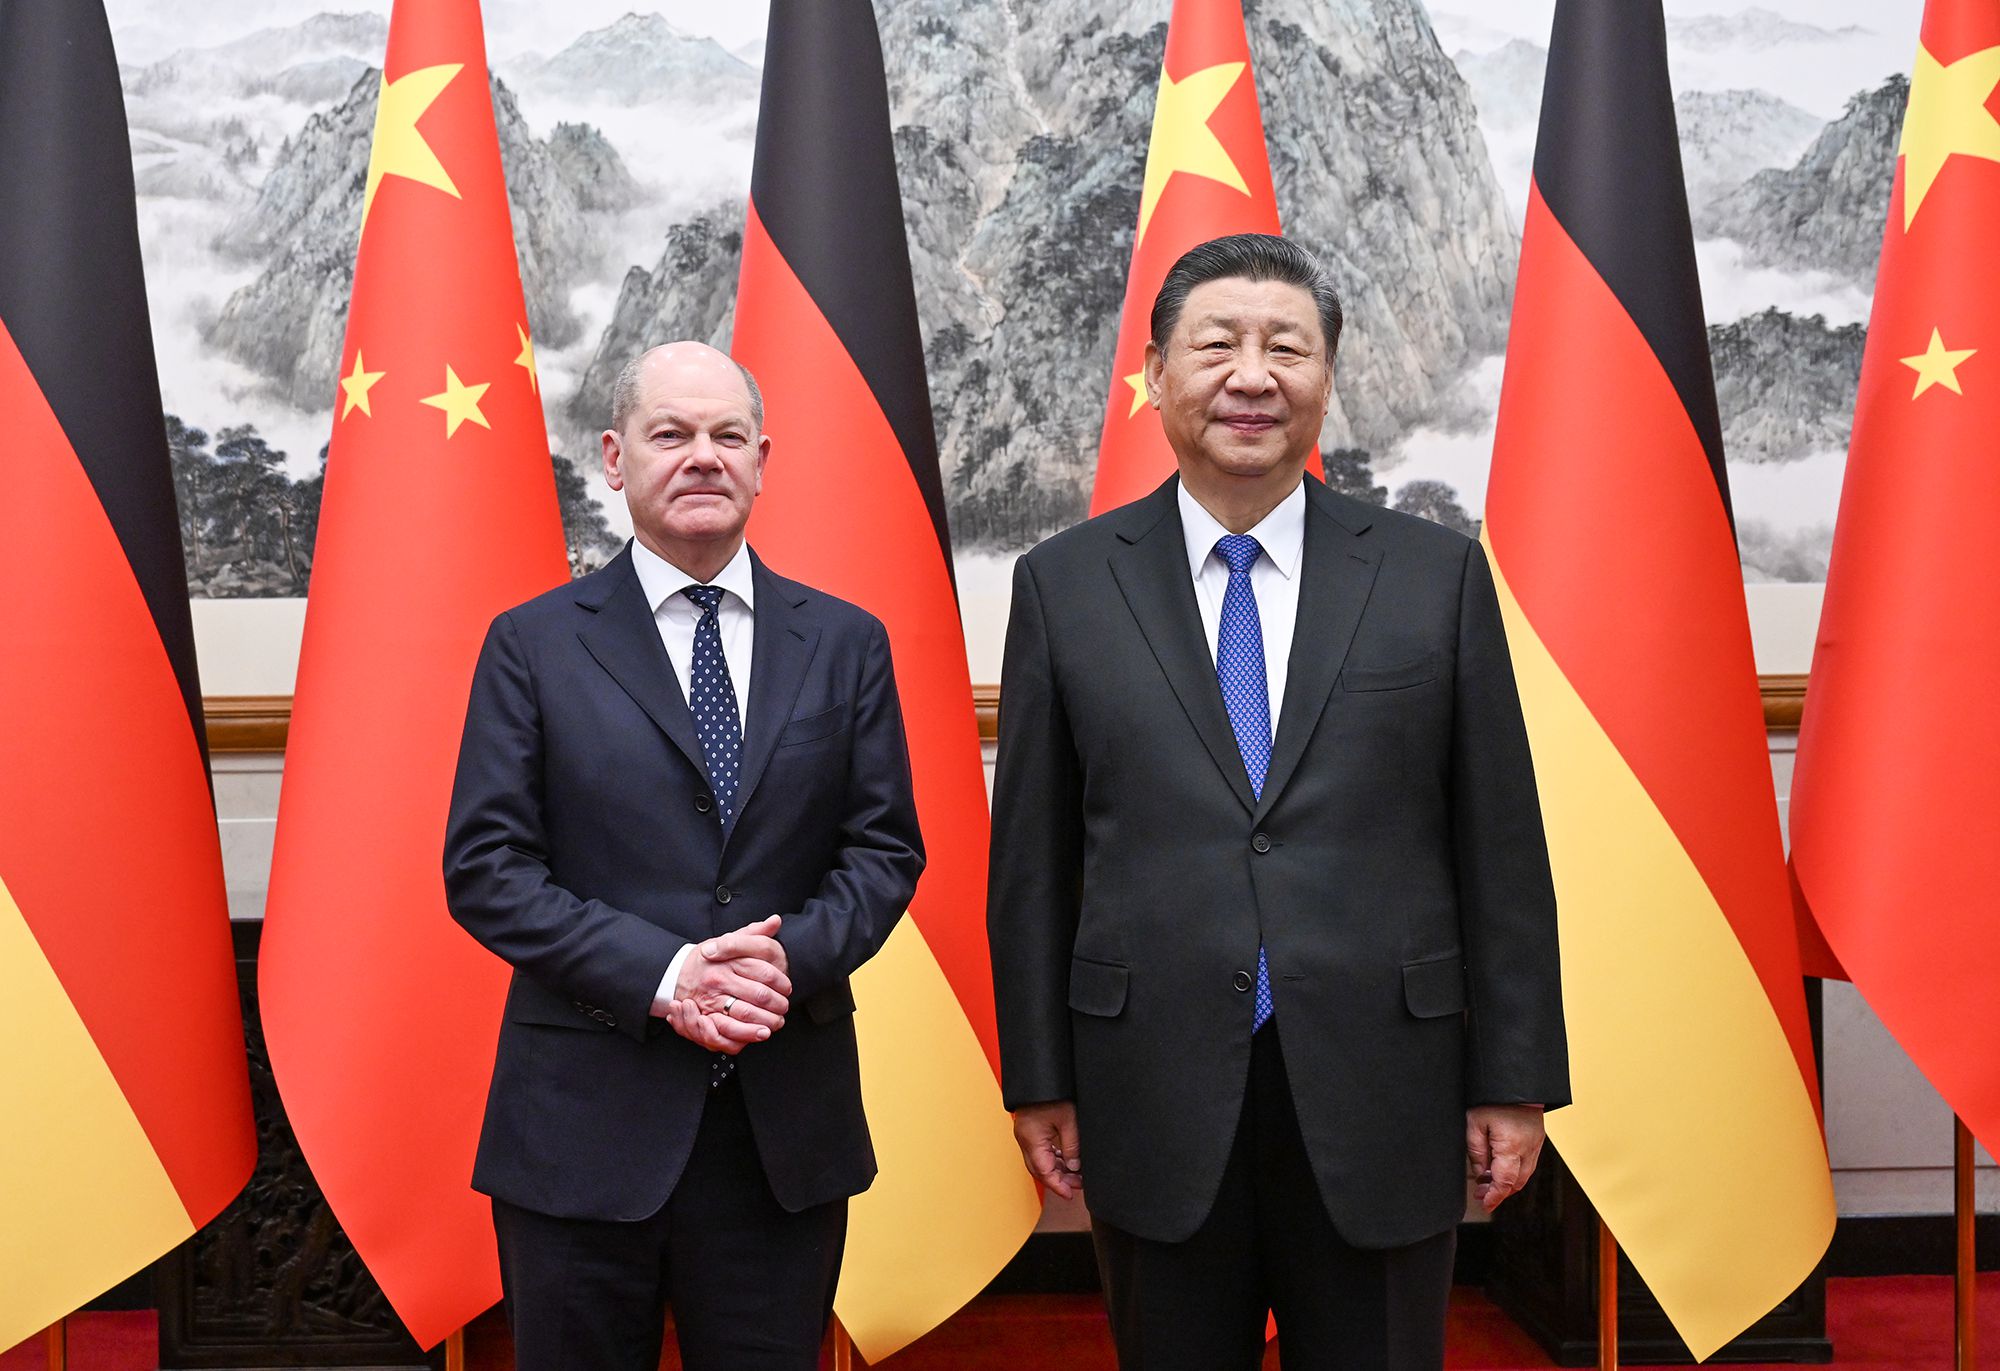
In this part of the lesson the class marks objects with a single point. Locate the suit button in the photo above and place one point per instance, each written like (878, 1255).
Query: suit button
(722, 894)
(1241, 980)
(1262, 842)
(702, 804)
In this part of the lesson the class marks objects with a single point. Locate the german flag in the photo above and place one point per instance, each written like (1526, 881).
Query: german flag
(439, 512)
(853, 503)
(1896, 801)
(128, 1105)
(1696, 1129)
(1207, 175)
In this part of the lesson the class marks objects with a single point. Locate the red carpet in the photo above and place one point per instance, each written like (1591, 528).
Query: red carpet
(1888, 1323)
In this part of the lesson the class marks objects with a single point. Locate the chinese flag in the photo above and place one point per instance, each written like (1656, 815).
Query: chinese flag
(121, 1044)
(853, 503)
(1896, 799)
(1696, 1128)
(1206, 176)
(439, 512)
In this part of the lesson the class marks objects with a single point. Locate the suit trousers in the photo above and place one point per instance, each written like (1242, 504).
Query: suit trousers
(751, 1285)
(1267, 1244)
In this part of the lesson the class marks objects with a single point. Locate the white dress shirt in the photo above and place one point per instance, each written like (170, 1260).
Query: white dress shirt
(1274, 579)
(675, 615)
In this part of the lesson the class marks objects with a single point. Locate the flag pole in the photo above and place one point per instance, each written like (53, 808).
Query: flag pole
(1607, 1297)
(57, 1338)
(843, 1348)
(1966, 1283)
(454, 1351)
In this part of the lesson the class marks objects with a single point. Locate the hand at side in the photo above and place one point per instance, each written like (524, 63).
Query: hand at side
(1502, 1143)
(1049, 1146)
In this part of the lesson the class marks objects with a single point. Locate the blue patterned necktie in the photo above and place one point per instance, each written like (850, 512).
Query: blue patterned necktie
(712, 700)
(1239, 667)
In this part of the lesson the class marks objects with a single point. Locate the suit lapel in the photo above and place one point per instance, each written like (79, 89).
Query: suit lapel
(625, 640)
(1152, 571)
(1338, 572)
(783, 641)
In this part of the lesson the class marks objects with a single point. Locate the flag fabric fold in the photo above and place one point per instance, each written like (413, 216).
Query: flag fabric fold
(128, 1121)
(1207, 175)
(1895, 800)
(1696, 1129)
(853, 503)
(439, 511)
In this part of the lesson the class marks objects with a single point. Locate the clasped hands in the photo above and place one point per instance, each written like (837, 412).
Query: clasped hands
(1502, 1144)
(733, 990)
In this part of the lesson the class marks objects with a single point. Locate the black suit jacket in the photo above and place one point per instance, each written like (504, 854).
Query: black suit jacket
(584, 849)
(1394, 867)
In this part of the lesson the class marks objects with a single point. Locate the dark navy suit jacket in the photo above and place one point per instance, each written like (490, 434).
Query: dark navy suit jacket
(584, 849)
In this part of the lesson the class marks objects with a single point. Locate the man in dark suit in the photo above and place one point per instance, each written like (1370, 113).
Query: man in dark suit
(1272, 923)
(683, 814)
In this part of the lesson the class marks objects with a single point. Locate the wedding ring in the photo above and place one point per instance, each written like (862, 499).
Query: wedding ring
(729, 1004)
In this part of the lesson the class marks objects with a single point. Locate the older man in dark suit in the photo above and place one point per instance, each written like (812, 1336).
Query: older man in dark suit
(1272, 922)
(683, 814)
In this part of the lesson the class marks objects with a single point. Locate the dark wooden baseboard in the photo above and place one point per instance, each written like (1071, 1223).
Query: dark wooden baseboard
(1863, 1245)
(1907, 1245)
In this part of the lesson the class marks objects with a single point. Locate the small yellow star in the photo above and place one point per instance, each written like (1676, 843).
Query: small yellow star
(1182, 140)
(1947, 115)
(1137, 380)
(398, 149)
(527, 359)
(1937, 365)
(357, 384)
(459, 402)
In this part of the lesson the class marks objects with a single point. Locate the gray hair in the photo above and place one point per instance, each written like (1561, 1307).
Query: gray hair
(625, 392)
(1251, 257)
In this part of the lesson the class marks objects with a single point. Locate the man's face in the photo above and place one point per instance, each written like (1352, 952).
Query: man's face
(1245, 379)
(689, 460)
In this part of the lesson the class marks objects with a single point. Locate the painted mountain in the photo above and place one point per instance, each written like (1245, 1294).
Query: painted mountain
(1021, 143)
(288, 323)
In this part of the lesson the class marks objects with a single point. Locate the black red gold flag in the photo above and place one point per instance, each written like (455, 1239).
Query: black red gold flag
(128, 1104)
(1696, 1129)
(853, 503)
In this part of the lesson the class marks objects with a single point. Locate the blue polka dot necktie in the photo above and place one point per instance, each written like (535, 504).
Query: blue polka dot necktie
(712, 701)
(1239, 666)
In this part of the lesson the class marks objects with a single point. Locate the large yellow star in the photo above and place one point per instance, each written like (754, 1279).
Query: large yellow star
(1137, 380)
(357, 384)
(527, 359)
(399, 150)
(1947, 115)
(459, 402)
(1937, 365)
(1182, 139)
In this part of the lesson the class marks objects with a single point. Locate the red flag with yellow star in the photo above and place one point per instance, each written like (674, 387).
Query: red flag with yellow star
(439, 512)
(1207, 175)
(1895, 799)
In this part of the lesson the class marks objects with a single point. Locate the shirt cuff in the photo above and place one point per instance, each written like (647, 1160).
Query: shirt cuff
(665, 994)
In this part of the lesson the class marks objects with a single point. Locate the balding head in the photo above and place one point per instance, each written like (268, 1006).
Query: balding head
(687, 449)
(685, 363)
